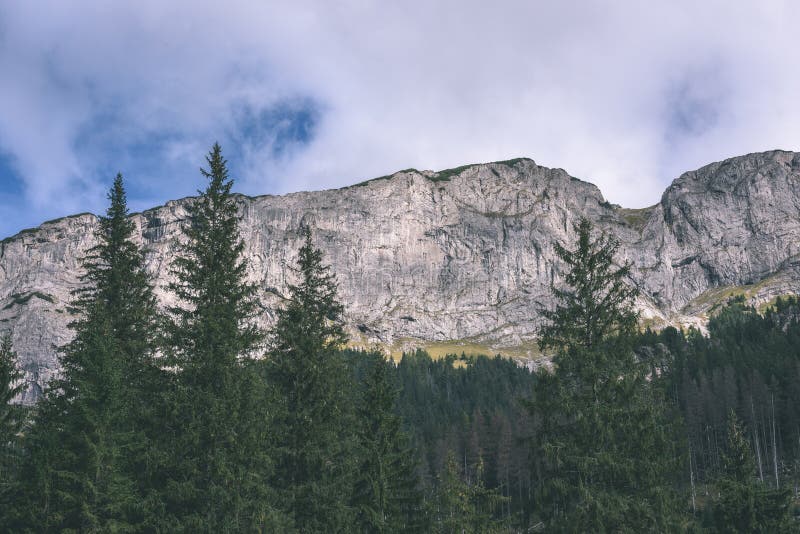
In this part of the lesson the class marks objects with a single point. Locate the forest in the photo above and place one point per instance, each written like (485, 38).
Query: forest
(191, 419)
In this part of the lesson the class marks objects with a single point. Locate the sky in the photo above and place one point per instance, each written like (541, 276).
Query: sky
(306, 95)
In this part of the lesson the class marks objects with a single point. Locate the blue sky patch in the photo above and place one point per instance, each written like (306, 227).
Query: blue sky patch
(279, 128)
(690, 113)
(10, 181)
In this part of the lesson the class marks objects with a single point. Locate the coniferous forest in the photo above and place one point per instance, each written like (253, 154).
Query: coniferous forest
(190, 419)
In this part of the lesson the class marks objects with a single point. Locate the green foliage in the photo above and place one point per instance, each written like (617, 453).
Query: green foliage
(447, 174)
(91, 490)
(604, 448)
(594, 309)
(748, 363)
(11, 417)
(11, 385)
(211, 327)
(386, 495)
(211, 481)
(635, 218)
(315, 438)
(459, 506)
(742, 505)
(313, 425)
(737, 461)
(78, 472)
(470, 406)
(119, 291)
(512, 162)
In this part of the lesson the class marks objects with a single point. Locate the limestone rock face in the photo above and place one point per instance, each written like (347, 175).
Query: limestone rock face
(465, 254)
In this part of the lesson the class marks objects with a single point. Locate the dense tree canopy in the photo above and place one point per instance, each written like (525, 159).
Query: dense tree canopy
(742, 506)
(386, 495)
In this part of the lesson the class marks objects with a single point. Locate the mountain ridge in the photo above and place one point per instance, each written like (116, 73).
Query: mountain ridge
(459, 257)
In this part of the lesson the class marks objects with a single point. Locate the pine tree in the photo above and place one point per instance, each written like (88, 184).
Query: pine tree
(460, 507)
(212, 482)
(313, 424)
(11, 385)
(744, 505)
(604, 446)
(78, 472)
(118, 302)
(387, 496)
(593, 314)
(212, 330)
(116, 278)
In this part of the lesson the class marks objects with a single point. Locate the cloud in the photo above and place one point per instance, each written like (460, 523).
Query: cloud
(309, 95)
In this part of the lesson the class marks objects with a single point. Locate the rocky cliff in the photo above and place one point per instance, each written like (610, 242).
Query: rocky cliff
(459, 258)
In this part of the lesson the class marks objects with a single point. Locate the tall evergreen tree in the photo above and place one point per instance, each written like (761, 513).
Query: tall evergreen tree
(118, 301)
(116, 279)
(604, 448)
(212, 483)
(212, 328)
(11, 385)
(313, 424)
(79, 474)
(743, 504)
(387, 495)
(593, 312)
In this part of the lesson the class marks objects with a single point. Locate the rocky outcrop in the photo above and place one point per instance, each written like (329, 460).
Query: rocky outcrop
(464, 254)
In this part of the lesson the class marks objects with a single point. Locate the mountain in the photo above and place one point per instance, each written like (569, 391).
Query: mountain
(460, 259)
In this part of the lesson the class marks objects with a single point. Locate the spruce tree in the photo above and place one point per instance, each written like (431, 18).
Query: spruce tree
(604, 446)
(79, 469)
(744, 505)
(387, 495)
(11, 385)
(116, 278)
(119, 290)
(460, 507)
(594, 311)
(212, 328)
(212, 483)
(313, 424)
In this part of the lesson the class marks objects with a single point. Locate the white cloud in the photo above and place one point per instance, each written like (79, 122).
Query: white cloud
(624, 94)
